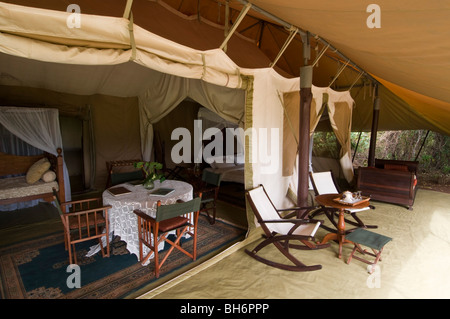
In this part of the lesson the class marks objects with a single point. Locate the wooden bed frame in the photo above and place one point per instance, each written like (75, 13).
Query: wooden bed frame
(14, 164)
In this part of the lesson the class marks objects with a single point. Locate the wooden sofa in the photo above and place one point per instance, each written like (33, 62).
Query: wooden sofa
(389, 181)
(16, 189)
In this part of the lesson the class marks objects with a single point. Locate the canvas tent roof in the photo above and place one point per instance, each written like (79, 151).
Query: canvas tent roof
(409, 54)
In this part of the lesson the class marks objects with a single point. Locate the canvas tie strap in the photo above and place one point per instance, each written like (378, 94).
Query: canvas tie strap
(132, 40)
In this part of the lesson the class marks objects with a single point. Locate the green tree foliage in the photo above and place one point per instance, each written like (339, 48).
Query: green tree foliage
(433, 155)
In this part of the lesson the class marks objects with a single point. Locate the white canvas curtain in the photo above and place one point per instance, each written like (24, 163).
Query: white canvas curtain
(339, 106)
(38, 127)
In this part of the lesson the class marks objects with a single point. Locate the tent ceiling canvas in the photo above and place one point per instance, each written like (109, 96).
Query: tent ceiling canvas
(409, 55)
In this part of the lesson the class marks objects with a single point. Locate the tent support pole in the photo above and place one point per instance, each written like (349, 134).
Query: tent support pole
(126, 13)
(285, 45)
(342, 68)
(374, 130)
(324, 49)
(236, 24)
(304, 137)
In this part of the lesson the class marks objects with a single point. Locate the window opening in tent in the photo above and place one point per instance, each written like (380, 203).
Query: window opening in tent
(326, 150)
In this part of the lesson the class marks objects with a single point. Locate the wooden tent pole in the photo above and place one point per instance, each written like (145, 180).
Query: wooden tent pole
(304, 139)
(374, 130)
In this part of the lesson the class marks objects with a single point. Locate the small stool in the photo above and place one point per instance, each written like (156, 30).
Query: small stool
(370, 239)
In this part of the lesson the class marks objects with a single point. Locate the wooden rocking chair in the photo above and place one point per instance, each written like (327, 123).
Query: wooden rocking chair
(280, 231)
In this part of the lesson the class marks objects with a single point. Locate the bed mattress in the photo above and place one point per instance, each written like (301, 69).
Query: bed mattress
(16, 187)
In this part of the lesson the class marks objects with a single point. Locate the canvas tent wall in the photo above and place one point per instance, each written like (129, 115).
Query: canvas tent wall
(125, 62)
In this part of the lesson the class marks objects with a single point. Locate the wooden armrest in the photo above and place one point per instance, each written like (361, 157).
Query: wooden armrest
(98, 200)
(87, 211)
(144, 215)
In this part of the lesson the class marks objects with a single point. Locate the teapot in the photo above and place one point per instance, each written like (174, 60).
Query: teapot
(347, 197)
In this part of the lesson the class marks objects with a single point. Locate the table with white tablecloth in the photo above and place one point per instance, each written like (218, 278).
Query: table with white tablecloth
(122, 220)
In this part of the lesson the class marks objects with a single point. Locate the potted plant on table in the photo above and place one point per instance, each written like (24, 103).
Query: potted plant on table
(151, 173)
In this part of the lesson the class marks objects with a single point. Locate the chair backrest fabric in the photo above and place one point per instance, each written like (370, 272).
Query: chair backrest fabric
(323, 183)
(267, 211)
(119, 178)
(164, 212)
(264, 206)
(211, 177)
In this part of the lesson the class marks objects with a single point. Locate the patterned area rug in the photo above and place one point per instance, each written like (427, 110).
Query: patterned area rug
(38, 269)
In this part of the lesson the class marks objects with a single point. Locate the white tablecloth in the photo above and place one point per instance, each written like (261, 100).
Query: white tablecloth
(122, 220)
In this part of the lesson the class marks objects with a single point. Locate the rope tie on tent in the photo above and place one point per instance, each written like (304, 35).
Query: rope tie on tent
(356, 80)
(228, 79)
(132, 41)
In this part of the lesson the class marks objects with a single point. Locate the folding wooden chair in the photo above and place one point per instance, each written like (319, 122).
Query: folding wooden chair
(281, 232)
(370, 239)
(324, 183)
(209, 188)
(180, 217)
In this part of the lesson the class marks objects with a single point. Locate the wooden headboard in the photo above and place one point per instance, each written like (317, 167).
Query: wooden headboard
(15, 164)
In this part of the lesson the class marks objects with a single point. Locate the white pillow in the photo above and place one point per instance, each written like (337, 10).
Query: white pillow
(49, 176)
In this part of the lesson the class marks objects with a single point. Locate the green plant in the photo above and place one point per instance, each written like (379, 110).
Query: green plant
(151, 170)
